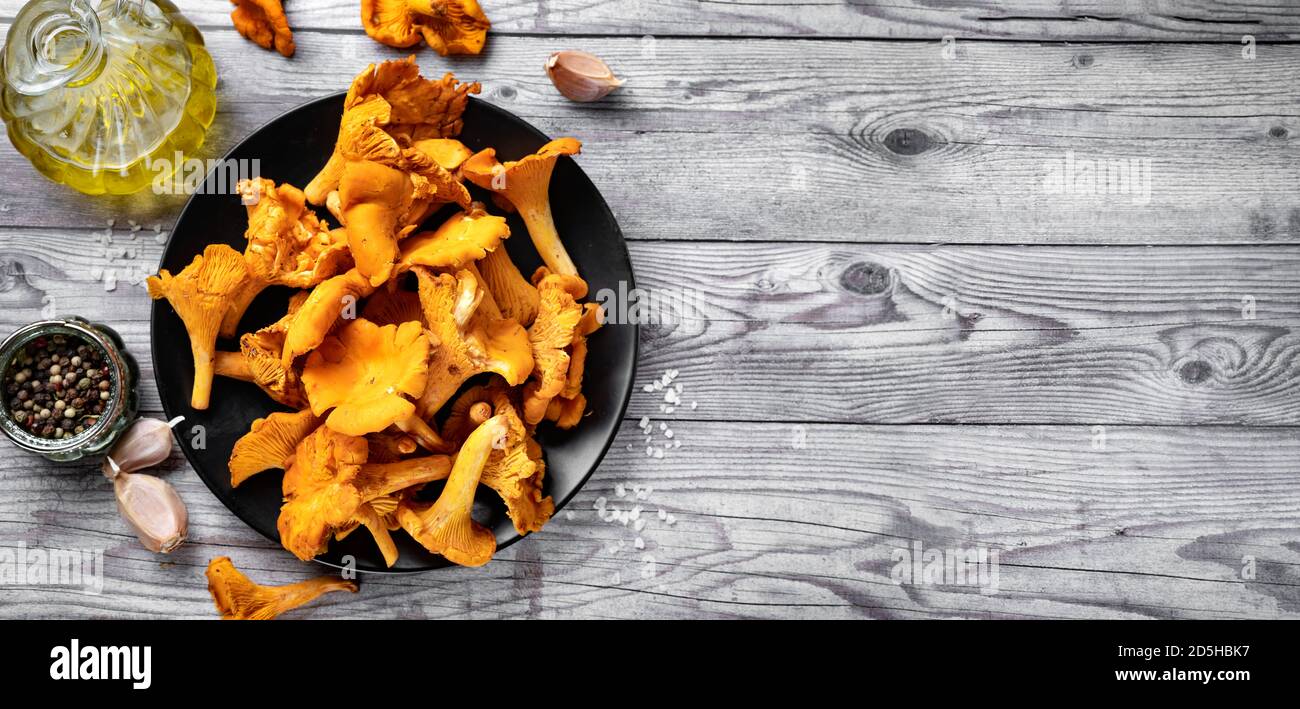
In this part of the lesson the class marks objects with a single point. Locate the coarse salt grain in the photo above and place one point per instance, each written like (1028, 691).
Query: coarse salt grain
(644, 493)
(662, 514)
(599, 504)
(639, 525)
(669, 409)
(670, 519)
(639, 543)
(659, 453)
(649, 451)
(620, 490)
(568, 515)
(645, 422)
(668, 433)
(663, 426)
(695, 405)
(658, 385)
(649, 388)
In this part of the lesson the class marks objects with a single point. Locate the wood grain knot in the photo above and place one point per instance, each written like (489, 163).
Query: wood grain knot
(1194, 372)
(1278, 132)
(506, 92)
(1083, 61)
(865, 278)
(908, 141)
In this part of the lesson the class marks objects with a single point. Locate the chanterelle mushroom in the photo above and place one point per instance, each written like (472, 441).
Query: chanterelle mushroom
(238, 598)
(201, 295)
(333, 300)
(288, 245)
(374, 199)
(526, 183)
(550, 337)
(263, 22)
(513, 294)
(406, 108)
(464, 238)
(449, 26)
(393, 307)
(515, 469)
(328, 480)
(259, 360)
(365, 373)
(445, 527)
(269, 443)
(470, 340)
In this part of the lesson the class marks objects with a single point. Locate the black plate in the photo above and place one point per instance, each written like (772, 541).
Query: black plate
(292, 148)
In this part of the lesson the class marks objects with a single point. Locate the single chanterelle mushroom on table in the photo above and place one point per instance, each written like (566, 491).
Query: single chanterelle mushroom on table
(470, 339)
(449, 26)
(445, 527)
(464, 238)
(327, 482)
(527, 184)
(263, 22)
(288, 245)
(364, 374)
(550, 338)
(259, 360)
(407, 107)
(201, 295)
(238, 598)
(269, 443)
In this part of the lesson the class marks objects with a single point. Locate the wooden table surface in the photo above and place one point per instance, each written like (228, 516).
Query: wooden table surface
(906, 332)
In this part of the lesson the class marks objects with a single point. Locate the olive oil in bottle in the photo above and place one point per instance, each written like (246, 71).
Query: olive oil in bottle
(93, 96)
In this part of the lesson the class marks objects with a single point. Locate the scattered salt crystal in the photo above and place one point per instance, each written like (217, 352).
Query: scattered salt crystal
(644, 493)
(639, 543)
(695, 405)
(663, 408)
(635, 512)
(629, 446)
(111, 223)
(658, 385)
(110, 281)
(619, 490)
(649, 388)
(678, 387)
(132, 224)
(662, 514)
(639, 525)
(620, 544)
(568, 515)
(670, 519)
(668, 433)
(677, 443)
(618, 578)
(649, 451)
(159, 238)
(672, 373)
(658, 452)
(645, 422)
(669, 409)
(663, 426)
(96, 272)
(599, 504)
(648, 438)
(157, 228)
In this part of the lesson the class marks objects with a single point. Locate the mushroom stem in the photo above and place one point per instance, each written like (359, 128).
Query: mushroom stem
(541, 228)
(379, 479)
(203, 356)
(422, 433)
(232, 365)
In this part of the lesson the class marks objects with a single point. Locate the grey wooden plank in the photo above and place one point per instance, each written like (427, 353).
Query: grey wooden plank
(773, 520)
(779, 140)
(881, 334)
(1054, 20)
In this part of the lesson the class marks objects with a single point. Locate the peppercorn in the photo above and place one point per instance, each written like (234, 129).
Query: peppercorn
(56, 387)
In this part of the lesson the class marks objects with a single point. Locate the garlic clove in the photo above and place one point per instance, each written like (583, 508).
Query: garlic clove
(581, 76)
(146, 443)
(153, 510)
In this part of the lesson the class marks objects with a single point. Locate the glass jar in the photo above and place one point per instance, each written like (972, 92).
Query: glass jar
(104, 99)
(122, 405)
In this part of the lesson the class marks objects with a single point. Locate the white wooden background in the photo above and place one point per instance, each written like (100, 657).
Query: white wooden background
(904, 335)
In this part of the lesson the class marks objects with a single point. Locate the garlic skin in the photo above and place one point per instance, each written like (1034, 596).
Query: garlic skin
(153, 510)
(580, 76)
(146, 443)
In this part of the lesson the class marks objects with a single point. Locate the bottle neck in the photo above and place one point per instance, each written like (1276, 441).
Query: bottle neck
(54, 44)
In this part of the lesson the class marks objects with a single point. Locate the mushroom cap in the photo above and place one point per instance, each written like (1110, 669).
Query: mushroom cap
(269, 443)
(320, 496)
(288, 244)
(518, 179)
(549, 337)
(449, 26)
(239, 598)
(464, 238)
(374, 198)
(483, 344)
(263, 22)
(364, 374)
(393, 307)
(448, 153)
(325, 306)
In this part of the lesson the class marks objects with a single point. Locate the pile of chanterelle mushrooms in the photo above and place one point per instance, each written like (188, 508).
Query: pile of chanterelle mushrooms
(390, 321)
